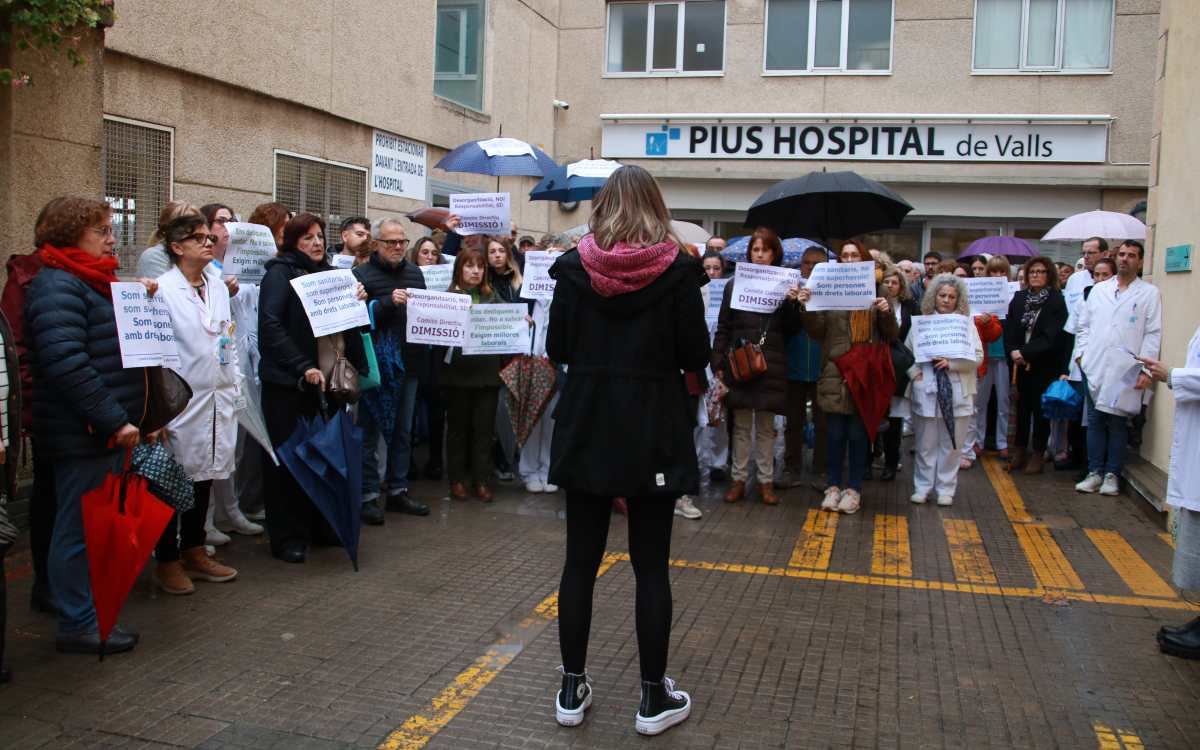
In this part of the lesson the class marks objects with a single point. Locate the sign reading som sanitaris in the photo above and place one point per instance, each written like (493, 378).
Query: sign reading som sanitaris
(882, 141)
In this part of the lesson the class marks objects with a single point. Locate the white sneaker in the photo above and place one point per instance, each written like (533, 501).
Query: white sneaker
(832, 496)
(850, 502)
(685, 508)
(547, 487)
(216, 538)
(1090, 484)
(1111, 486)
(244, 526)
(919, 497)
(257, 515)
(945, 500)
(534, 485)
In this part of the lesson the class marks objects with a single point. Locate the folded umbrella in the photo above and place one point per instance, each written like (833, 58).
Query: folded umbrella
(530, 383)
(867, 370)
(122, 521)
(945, 402)
(434, 218)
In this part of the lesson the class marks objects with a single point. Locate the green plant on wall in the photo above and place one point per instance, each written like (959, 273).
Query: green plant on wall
(53, 26)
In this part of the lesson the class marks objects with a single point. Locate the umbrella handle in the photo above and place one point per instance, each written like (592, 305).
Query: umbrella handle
(532, 336)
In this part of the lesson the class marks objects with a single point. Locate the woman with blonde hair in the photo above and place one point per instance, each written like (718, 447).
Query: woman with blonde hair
(155, 260)
(627, 320)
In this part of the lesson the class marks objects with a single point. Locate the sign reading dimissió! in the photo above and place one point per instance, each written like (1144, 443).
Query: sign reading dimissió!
(482, 213)
(438, 318)
(761, 289)
(398, 166)
(537, 283)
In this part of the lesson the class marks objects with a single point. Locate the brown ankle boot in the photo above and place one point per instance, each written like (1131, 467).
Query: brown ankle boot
(1016, 461)
(200, 567)
(767, 490)
(737, 490)
(1034, 464)
(169, 577)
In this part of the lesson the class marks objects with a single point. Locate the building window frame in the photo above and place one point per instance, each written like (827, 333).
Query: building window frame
(677, 71)
(276, 153)
(460, 9)
(120, 210)
(841, 69)
(1056, 69)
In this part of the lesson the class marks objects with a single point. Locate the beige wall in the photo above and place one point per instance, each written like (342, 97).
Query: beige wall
(1174, 198)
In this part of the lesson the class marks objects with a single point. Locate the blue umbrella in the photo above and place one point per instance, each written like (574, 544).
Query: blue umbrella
(793, 250)
(498, 157)
(325, 457)
(574, 182)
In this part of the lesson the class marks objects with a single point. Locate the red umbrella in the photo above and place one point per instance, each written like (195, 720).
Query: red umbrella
(122, 521)
(434, 218)
(530, 383)
(867, 370)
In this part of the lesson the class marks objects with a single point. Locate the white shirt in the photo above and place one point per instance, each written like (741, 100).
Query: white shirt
(1113, 324)
(1077, 284)
(1183, 476)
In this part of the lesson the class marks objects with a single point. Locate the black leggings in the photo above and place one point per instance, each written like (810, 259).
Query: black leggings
(185, 530)
(650, 520)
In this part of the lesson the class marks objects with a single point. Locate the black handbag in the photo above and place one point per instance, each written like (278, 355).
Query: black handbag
(167, 395)
(902, 359)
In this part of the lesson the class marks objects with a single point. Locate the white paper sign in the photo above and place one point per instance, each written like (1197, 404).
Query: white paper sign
(342, 261)
(498, 329)
(439, 318)
(144, 328)
(537, 283)
(761, 289)
(250, 247)
(505, 147)
(716, 292)
(988, 295)
(398, 166)
(942, 336)
(1013, 288)
(841, 286)
(482, 213)
(329, 301)
(437, 278)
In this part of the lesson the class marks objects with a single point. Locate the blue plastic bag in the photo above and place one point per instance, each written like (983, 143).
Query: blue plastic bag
(1062, 401)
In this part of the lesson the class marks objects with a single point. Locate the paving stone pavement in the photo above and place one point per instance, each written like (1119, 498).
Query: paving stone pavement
(907, 632)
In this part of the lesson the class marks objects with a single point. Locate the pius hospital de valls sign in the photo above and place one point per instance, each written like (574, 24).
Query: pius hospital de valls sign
(1036, 142)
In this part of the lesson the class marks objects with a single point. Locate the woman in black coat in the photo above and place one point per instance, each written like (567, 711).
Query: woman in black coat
(291, 379)
(627, 320)
(1034, 341)
(753, 405)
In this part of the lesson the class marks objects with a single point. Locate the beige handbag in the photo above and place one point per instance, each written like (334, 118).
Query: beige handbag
(341, 377)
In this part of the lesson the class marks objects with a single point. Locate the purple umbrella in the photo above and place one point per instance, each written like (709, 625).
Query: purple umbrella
(1009, 247)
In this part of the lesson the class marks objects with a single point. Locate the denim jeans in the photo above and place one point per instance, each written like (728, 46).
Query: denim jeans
(843, 429)
(68, 563)
(399, 451)
(1107, 440)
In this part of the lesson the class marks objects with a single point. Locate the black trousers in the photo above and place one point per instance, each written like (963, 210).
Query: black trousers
(291, 516)
(650, 520)
(185, 530)
(1030, 387)
(3, 601)
(42, 509)
(891, 442)
(435, 414)
(470, 430)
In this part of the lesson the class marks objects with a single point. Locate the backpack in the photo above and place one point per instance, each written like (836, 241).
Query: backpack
(21, 271)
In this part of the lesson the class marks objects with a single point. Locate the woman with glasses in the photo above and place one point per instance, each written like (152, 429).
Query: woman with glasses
(204, 435)
(1034, 339)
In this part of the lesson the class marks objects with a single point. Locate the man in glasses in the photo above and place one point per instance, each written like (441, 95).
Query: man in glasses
(387, 276)
(1092, 249)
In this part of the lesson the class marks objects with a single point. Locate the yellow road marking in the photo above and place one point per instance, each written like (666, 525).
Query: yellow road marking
(918, 584)
(970, 559)
(1108, 738)
(418, 729)
(815, 545)
(1166, 537)
(891, 555)
(1046, 557)
(1135, 571)
(1010, 498)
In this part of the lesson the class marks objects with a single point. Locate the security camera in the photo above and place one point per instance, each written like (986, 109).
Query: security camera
(560, 104)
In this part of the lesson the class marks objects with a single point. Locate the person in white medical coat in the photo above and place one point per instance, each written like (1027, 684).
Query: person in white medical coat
(203, 437)
(1120, 321)
(1183, 490)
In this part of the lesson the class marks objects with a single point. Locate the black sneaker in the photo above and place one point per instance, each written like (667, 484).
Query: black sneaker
(371, 513)
(574, 698)
(662, 707)
(400, 502)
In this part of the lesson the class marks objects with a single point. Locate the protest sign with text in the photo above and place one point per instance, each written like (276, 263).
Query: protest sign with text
(761, 289)
(342, 261)
(250, 247)
(538, 284)
(144, 329)
(330, 301)
(482, 213)
(498, 329)
(439, 318)
(988, 295)
(942, 337)
(437, 278)
(841, 286)
(716, 293)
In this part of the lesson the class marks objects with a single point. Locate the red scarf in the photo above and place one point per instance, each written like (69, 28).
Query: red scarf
(97, 273)
(624, 268)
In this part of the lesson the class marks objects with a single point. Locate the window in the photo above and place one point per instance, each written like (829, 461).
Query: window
(1043, 35)
(828, 36)
(138, 177)
(666, 38)
(330, 190)
(458, 53)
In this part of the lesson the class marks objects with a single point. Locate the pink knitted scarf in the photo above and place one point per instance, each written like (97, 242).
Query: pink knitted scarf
(624, 268)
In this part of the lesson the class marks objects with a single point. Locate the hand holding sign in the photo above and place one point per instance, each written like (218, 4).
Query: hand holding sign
(841, 286)
(537, 283)
(942, 337)
(988, 296)
(144, 330)
(439, 318)
(481, 213)
(331, 301)
(761, 289)
(250, 247)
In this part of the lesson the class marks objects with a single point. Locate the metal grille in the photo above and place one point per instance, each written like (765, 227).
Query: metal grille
(330, 191)
(137, 183)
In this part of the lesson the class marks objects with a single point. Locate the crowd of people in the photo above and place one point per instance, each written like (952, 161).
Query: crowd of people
(638, 366)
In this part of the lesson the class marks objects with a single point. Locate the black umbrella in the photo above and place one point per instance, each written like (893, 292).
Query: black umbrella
(827, 204)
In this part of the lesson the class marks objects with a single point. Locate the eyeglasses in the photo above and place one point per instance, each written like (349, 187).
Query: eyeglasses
(204, 239)
(105, 231)
(393, 243)
(1036, 272)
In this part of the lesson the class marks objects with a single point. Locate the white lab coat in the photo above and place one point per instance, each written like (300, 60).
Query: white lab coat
(1110, 326)
(1183, 477)
(203, 438)
(1077, 284)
